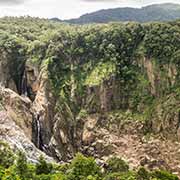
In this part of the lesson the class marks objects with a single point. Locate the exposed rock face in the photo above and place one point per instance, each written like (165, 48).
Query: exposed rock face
(16, 123)
(17, 108)
(159, 82)
(88, 135)
(129, 142)
(5, 74)
(105, 97)
(43, 109)
(165, 117)
(32, 82)
(33, 120)
(102, 90)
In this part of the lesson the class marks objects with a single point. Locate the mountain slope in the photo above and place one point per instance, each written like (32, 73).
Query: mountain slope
(157, 12)
(97, 89)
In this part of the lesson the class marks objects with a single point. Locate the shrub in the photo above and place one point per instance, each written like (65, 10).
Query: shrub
(6, 155)
(1, 172)
(42, 167)
(82, 167)
(121, 176)
(164, 175)
(117, 165)
(143, 174)
(61, 168)
(51, 177)
(10, 174)
(21, 166)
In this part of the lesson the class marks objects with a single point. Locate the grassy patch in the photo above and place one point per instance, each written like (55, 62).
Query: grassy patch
(100, 73)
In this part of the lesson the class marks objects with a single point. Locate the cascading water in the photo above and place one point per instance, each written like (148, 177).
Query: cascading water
(37, 139)
(38, 132)
(24, 84)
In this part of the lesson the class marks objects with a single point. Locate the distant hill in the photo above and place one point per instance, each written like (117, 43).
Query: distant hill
(156, 12)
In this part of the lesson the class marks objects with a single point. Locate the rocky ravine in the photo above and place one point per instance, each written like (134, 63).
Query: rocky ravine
(98, 89)
(30, 122)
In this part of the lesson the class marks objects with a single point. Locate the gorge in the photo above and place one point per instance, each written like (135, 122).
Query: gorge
(102, 90)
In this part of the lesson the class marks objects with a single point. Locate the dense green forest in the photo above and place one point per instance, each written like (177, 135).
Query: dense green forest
(77, 58)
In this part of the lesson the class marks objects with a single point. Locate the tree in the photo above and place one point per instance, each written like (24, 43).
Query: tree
(42, 167)
(21, 166)
(115, 164)
(6, 155)
(83, 168)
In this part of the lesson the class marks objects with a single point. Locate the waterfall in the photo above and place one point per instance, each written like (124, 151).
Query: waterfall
(37, 139)
(24, 84)
(38, 132)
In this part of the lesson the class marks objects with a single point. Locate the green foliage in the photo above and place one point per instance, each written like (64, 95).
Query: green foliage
(51, 177)
(162, 41)
(121, 176)
(82, 167)
(6, 155)
(21, 166)
(10, 174)
(164, 175)
(176, 58)
(1, 172)
(82, 114)
(117, 165)
(79, 60)
(143, 174)
(82, 58)
(100, 73)
(42, 167)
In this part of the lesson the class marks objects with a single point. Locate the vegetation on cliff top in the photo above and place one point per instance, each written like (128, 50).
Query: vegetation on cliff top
(80, 58)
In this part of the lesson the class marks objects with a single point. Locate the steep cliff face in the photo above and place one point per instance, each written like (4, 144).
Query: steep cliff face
(104, 90)
(16, 123)
(6, 79)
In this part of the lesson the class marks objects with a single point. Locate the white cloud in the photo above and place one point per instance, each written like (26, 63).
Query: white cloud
(11, 2)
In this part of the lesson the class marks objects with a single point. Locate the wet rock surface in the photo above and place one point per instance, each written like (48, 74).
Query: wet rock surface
(12, 134)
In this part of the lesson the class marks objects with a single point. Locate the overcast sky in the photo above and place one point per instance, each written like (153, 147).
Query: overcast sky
(65, 9)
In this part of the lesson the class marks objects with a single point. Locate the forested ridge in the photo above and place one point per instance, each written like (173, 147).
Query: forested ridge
(155, 12)
(116, 71)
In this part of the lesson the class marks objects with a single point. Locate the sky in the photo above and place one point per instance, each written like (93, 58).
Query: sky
(66, 9)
